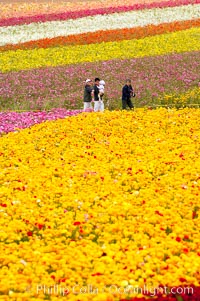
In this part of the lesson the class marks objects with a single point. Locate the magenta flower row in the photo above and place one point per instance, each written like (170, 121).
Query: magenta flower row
(10, 121)
(92, 12)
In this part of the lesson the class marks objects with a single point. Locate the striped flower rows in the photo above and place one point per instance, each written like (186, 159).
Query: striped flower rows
(105, 36)
(63, 226)
(31, 9)
(176, 42)
(73, 14)
(36, 31)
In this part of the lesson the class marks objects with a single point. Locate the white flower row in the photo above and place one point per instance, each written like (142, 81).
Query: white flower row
(35, 31)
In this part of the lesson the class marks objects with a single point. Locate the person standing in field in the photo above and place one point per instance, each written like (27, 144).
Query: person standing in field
(88, 94)
(99, 88)
(96, 95)
(101, 94)
(127, 93)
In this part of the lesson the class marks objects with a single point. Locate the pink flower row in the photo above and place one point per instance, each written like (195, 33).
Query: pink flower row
(10, 121)
(92, 12)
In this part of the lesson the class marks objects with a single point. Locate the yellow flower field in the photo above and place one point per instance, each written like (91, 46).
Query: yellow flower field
(107, 200)
(176, 42)
(181, 99)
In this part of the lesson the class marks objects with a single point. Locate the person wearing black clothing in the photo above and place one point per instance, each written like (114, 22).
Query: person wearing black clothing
(96, 89)
(96, 94)
(88, 93)
(127, 93)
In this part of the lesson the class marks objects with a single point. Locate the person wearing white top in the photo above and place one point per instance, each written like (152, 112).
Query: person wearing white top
(101, 94)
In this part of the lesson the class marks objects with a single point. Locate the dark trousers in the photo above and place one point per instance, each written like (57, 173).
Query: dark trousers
(128, 103)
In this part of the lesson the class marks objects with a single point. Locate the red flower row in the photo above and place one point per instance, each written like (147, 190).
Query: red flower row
(92, 12)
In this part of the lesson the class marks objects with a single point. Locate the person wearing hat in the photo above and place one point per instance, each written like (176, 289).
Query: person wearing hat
(88, 94)
(127, 93)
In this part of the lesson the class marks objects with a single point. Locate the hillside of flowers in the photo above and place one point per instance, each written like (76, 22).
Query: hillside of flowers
(95, 206)
(99, 206)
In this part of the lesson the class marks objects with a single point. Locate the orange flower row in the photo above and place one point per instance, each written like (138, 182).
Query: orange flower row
(106, 36)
